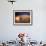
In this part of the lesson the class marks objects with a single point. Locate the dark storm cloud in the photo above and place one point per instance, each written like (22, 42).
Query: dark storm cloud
(22, 13)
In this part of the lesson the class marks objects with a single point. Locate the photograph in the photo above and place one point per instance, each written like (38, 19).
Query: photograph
(22, 16)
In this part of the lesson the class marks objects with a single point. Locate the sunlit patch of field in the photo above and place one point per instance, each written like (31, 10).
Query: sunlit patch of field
(22, 19)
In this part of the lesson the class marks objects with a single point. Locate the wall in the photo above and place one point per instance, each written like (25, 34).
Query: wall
(9, 31)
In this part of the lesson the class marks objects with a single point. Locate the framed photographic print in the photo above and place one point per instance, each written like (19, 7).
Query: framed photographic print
(21, 17)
